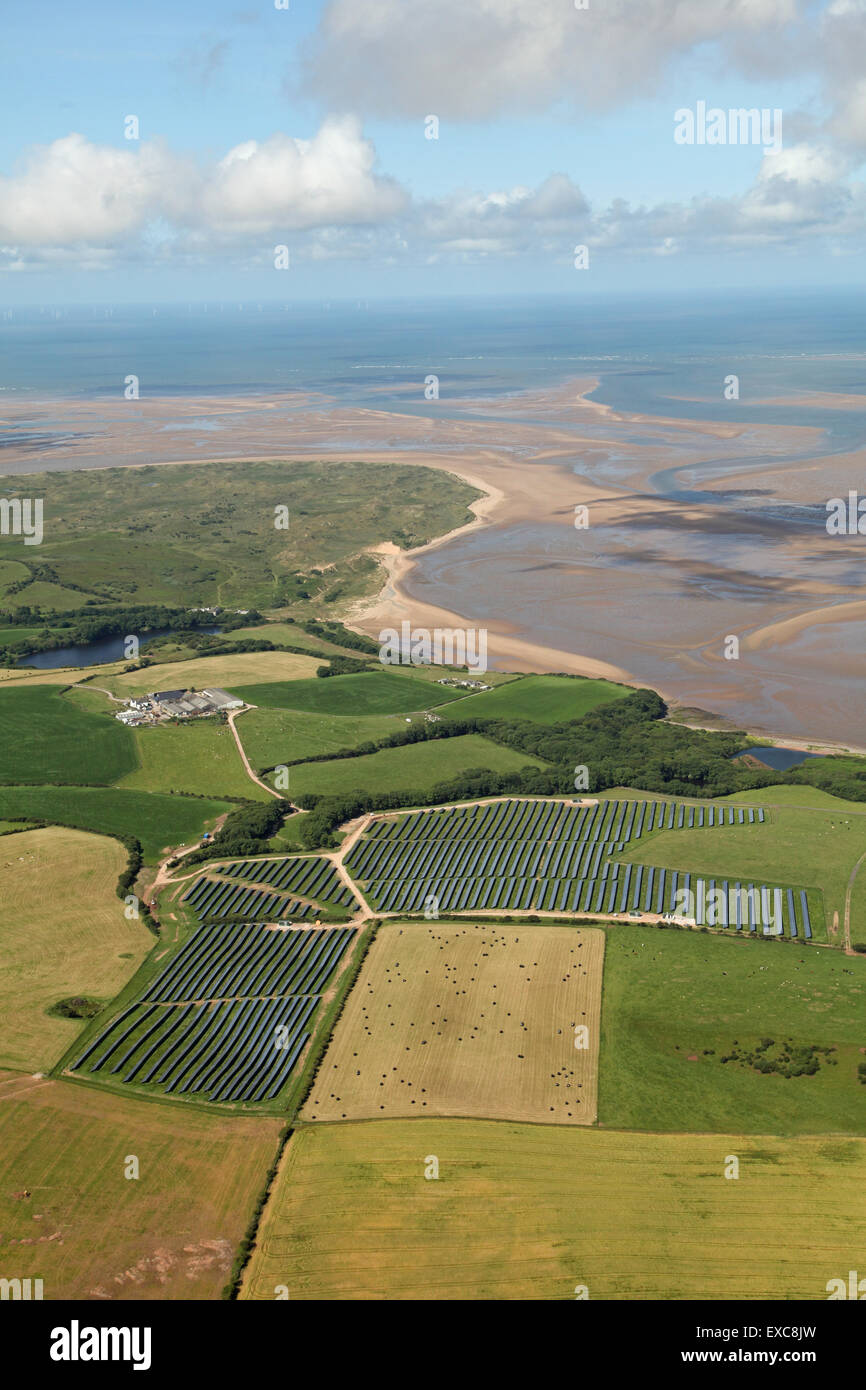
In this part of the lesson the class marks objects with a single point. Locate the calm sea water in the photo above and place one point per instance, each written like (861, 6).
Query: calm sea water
(649, 351)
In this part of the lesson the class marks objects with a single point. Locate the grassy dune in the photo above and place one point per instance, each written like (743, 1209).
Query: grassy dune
(200, 533)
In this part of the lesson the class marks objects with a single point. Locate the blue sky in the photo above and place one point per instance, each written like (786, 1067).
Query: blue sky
(305, 128)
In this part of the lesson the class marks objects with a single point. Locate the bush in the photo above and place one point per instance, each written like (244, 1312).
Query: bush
(246, 831)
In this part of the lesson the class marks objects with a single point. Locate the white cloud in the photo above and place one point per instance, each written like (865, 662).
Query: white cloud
(471, 59)
(80, 205)
(75, 193)
(283, 182)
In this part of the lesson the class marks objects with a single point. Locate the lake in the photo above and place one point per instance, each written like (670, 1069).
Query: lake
(94, 653)
(779, 759)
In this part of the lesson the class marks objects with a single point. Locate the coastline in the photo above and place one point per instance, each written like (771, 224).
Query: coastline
(670, 556)
(392, 605)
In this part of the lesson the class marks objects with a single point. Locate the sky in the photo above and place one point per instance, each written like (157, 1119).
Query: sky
(197, 151)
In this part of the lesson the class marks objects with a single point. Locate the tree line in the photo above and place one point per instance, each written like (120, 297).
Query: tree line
(626, 744)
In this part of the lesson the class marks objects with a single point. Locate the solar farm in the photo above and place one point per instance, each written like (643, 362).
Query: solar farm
(227, 1019)
(557, 856)
(257, 890)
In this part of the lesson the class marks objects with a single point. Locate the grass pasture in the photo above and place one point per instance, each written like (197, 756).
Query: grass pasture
(46, 738)
(371, 692)
(543, 699)
(200, 756)
(468, 1019)
(272, 736)
(88, 1231)
(674, 1004)
(63, 933)
(293, 635)
(24, 678)
(420, 766)
(533, 1211)
(226, 672)
(160, 822)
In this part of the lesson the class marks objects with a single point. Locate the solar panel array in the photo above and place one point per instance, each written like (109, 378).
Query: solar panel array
(548, 856)
(217, 898)
(230, 962)
(311, 876)
(228, 1017)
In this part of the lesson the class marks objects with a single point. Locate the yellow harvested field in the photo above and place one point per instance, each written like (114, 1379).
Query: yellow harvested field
(238, 668)
(542, 1211)
(70, 1216)
(469, 1019)
(63, 932)
(62, 675)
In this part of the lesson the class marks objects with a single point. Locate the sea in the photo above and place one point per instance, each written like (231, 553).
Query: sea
(650, 351)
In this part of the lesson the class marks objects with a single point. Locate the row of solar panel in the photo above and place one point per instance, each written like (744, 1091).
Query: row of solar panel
(626, 888)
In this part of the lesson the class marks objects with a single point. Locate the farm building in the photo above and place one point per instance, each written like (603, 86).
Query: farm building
(222, 699)
(174, 709)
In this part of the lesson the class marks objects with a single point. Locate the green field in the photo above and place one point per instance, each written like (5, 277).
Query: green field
(159, 821)
(539, 1211)
(46, 738)
(272, 736)
(292, 635)
(670, 996)
(376, 692)
(11, 571)
(543, 699)
(288, 838)
(420, 766)
(44, 595)
(20, 634)
(200, 756)
(810, 797)
(806, 846)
